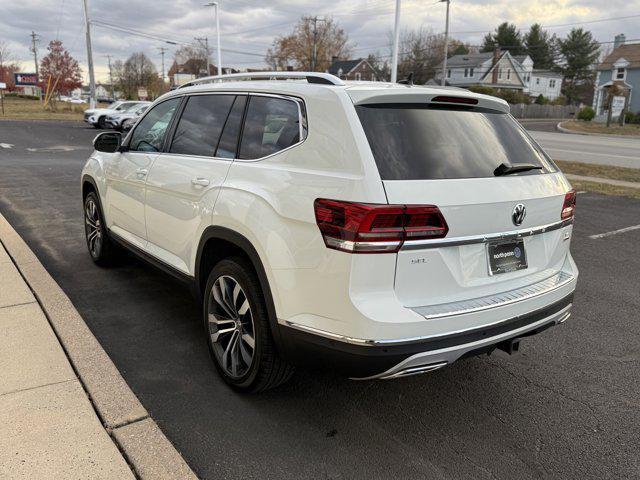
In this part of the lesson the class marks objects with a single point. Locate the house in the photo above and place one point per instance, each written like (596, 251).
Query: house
(501, 69)
(358, 69)
(622, 69)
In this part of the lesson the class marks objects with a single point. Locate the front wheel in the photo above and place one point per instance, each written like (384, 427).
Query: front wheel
(100, 247)
(237, 327)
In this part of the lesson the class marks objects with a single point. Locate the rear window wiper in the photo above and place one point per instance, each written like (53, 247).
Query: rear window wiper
(509, 168)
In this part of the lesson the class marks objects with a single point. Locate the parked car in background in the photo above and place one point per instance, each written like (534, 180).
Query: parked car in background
(374, 229)
(115, 120)
(98, 116)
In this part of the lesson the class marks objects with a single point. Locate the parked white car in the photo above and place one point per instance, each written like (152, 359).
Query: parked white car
(98, 116)
(116, 120)
(375, 229)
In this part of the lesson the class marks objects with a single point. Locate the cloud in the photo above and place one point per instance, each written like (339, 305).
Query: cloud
(251, 25)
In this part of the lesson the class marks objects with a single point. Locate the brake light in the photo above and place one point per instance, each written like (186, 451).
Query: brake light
(464, 100)
(569, 205)
(373, 228)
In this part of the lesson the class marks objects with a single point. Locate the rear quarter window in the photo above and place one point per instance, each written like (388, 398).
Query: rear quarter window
(421, 142)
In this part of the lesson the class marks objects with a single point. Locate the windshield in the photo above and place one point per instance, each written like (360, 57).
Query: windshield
(420, 142)
(114, 105)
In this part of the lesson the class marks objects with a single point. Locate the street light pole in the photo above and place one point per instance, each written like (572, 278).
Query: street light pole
(446, 45)
(396, 41)
(92, 80)
(217, 7)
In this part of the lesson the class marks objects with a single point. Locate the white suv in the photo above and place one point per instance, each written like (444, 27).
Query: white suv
(375, 229)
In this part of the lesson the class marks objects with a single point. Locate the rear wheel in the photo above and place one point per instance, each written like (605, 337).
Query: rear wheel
(237, 327)
(102, 123)
(101, 249)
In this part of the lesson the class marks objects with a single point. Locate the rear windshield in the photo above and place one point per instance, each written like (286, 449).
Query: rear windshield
(418, 142)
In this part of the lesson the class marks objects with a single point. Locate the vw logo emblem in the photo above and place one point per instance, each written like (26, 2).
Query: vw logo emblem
(519, 212)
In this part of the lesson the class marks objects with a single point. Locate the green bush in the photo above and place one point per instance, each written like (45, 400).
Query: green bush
(559, 101)
(630, 117)
(21, 95)
(586, 114)
(541, 100)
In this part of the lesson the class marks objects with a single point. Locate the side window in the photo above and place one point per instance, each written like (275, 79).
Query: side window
(228, 143)
(271, 125)
(149, 134)
(201, 124)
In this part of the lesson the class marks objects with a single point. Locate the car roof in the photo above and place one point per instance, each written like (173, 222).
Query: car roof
(360, 92)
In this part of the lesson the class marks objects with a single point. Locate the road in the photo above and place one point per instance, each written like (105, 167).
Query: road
(566, 407)
(616, 151)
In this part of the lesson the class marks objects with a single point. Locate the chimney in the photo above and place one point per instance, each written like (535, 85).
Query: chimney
(619, 40)
(496, 59)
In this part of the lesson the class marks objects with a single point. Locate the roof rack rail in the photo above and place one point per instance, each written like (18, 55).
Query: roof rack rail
(311, 77)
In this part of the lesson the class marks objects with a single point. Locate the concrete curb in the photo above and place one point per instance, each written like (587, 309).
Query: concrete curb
(608, 181)
(562, 129)
(120, 411)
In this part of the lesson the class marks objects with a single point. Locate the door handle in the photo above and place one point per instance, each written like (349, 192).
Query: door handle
(141, 172)
(199, 182)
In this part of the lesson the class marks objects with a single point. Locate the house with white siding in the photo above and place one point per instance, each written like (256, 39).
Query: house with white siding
(500, 69)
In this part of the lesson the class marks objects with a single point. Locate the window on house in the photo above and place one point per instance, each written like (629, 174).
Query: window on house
(500, 73)
(552, 83)
(620, 73)
(358, 76)
(449, 73)
(537, 81)
(471, 72)
(508, 73)
(466, 72)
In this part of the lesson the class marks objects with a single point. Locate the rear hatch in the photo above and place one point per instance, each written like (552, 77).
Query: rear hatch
(450, 155)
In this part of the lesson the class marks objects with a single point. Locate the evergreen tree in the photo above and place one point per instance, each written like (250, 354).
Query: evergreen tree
(540, 47)
(579, 53)
(507, 37)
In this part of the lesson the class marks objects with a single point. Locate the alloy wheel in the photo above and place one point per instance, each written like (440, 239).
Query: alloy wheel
(231, 328)
(93, 227)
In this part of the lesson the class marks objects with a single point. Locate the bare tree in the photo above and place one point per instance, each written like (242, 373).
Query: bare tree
(421, 53)
(297, 48)
(7, 65)
(137, 71)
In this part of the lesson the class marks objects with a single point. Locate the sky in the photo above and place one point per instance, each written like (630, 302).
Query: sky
(248, 27)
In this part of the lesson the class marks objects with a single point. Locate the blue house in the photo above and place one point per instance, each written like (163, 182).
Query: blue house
(622, 69)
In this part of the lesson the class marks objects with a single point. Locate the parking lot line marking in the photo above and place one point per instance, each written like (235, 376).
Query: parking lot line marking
(614, 232)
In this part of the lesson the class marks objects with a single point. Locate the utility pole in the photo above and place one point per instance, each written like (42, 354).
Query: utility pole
(162, 52)
(113, 95)
(34, 50)
(446, 45)
(396, 41)
(205, 41)
(217, 7)
(92, 78)
(314, 53)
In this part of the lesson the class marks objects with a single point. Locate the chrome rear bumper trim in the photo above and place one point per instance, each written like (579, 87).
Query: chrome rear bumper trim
(457, 241)
(493, 301)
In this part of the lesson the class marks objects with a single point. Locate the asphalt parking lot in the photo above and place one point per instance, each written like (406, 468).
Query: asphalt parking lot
(568, 406)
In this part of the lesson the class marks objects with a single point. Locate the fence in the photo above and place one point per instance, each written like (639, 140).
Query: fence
(534, 110)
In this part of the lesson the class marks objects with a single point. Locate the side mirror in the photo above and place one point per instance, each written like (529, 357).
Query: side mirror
(108, 142)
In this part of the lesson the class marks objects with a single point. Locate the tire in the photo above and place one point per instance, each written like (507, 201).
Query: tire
(232, 327)
(101, 248)
(102, 123)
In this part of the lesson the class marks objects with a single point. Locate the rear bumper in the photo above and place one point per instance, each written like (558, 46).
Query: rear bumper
(363, 360)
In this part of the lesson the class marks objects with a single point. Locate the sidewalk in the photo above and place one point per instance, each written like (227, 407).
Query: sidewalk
(608, 181)
(48, 428)
(65, 411)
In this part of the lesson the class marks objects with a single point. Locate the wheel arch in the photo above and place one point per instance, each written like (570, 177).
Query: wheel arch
(231, 242)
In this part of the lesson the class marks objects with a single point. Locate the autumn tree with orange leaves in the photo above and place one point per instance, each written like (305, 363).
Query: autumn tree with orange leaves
(59, 71)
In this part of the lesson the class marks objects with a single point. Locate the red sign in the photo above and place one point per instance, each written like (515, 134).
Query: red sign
(25, 78)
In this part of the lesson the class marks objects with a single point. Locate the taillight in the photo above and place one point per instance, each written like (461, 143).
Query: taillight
(373, 228)
(569, 205)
